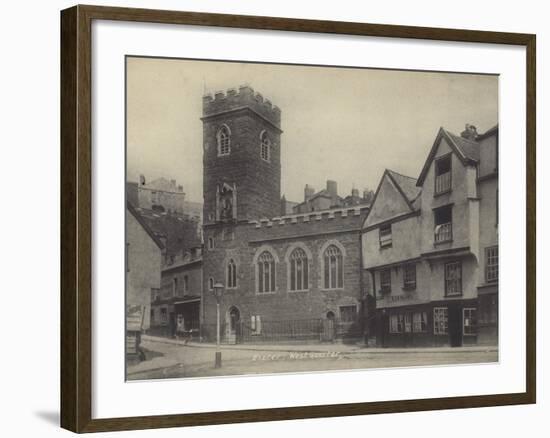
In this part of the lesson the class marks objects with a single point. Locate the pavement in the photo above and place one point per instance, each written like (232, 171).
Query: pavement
(321, 347)
(173, 358)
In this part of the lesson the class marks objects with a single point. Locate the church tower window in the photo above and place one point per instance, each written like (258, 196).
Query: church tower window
(265, 146)
(224, 141)
(231, 274)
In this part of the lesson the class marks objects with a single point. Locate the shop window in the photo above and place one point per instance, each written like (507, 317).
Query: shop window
(491, 264)
(420, 322)
(441, 321)
(469, 319)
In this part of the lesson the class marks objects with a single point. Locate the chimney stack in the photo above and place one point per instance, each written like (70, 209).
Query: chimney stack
(308, 192)
(332, 188)
(469, 133)
(355, 192)
(368, 195)
(283, 205)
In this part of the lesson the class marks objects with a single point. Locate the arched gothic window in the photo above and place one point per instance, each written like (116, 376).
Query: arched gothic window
(224, 141)
(334, 268)
(299, 270)
(265, 146)
(231, 274)
(266, 272)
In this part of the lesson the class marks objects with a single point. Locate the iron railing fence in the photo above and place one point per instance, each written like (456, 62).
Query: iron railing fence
(284, 331)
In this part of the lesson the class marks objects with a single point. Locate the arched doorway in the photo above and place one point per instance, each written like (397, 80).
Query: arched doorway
(232, 325)
(328, 333)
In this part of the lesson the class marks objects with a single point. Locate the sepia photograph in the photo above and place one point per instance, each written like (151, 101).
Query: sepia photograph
(286, 218)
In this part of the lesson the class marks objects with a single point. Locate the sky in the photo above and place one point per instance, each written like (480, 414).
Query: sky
(343, 124)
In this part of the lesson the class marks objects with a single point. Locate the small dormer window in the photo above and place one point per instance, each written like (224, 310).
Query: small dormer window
(265, 146)
(224, 141)
(443, 174)
(385, 236)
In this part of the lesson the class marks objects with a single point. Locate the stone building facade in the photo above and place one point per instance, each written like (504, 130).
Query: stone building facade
(144, 252)
(289, 276)
(176, 305)
(431, 246)
(159, 194)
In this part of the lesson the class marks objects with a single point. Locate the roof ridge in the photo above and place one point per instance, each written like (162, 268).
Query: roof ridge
(401, 174)
(452, 134)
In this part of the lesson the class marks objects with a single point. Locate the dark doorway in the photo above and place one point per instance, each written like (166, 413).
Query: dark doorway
(234, 318)
(234, 325)
(328, 327)
(382, 324)
(455, 326)
(172, 324)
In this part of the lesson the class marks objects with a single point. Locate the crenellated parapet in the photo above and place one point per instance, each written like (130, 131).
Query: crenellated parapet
(311, 217)
(234, 99)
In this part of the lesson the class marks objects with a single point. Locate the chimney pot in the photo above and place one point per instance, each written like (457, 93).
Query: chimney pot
(308, 192)
(470, 132)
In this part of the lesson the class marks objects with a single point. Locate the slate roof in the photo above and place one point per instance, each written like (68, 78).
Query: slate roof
(180, 233)
(152, 234)
(468, 148)
(407, 184)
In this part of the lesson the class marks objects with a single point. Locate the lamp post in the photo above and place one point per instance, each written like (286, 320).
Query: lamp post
(218, 292)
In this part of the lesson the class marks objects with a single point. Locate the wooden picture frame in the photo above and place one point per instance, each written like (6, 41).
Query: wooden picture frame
(76, 217)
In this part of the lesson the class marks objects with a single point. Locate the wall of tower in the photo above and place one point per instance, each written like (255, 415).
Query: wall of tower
(258, 182)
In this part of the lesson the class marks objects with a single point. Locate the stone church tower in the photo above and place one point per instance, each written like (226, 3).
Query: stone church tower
(241, 156)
